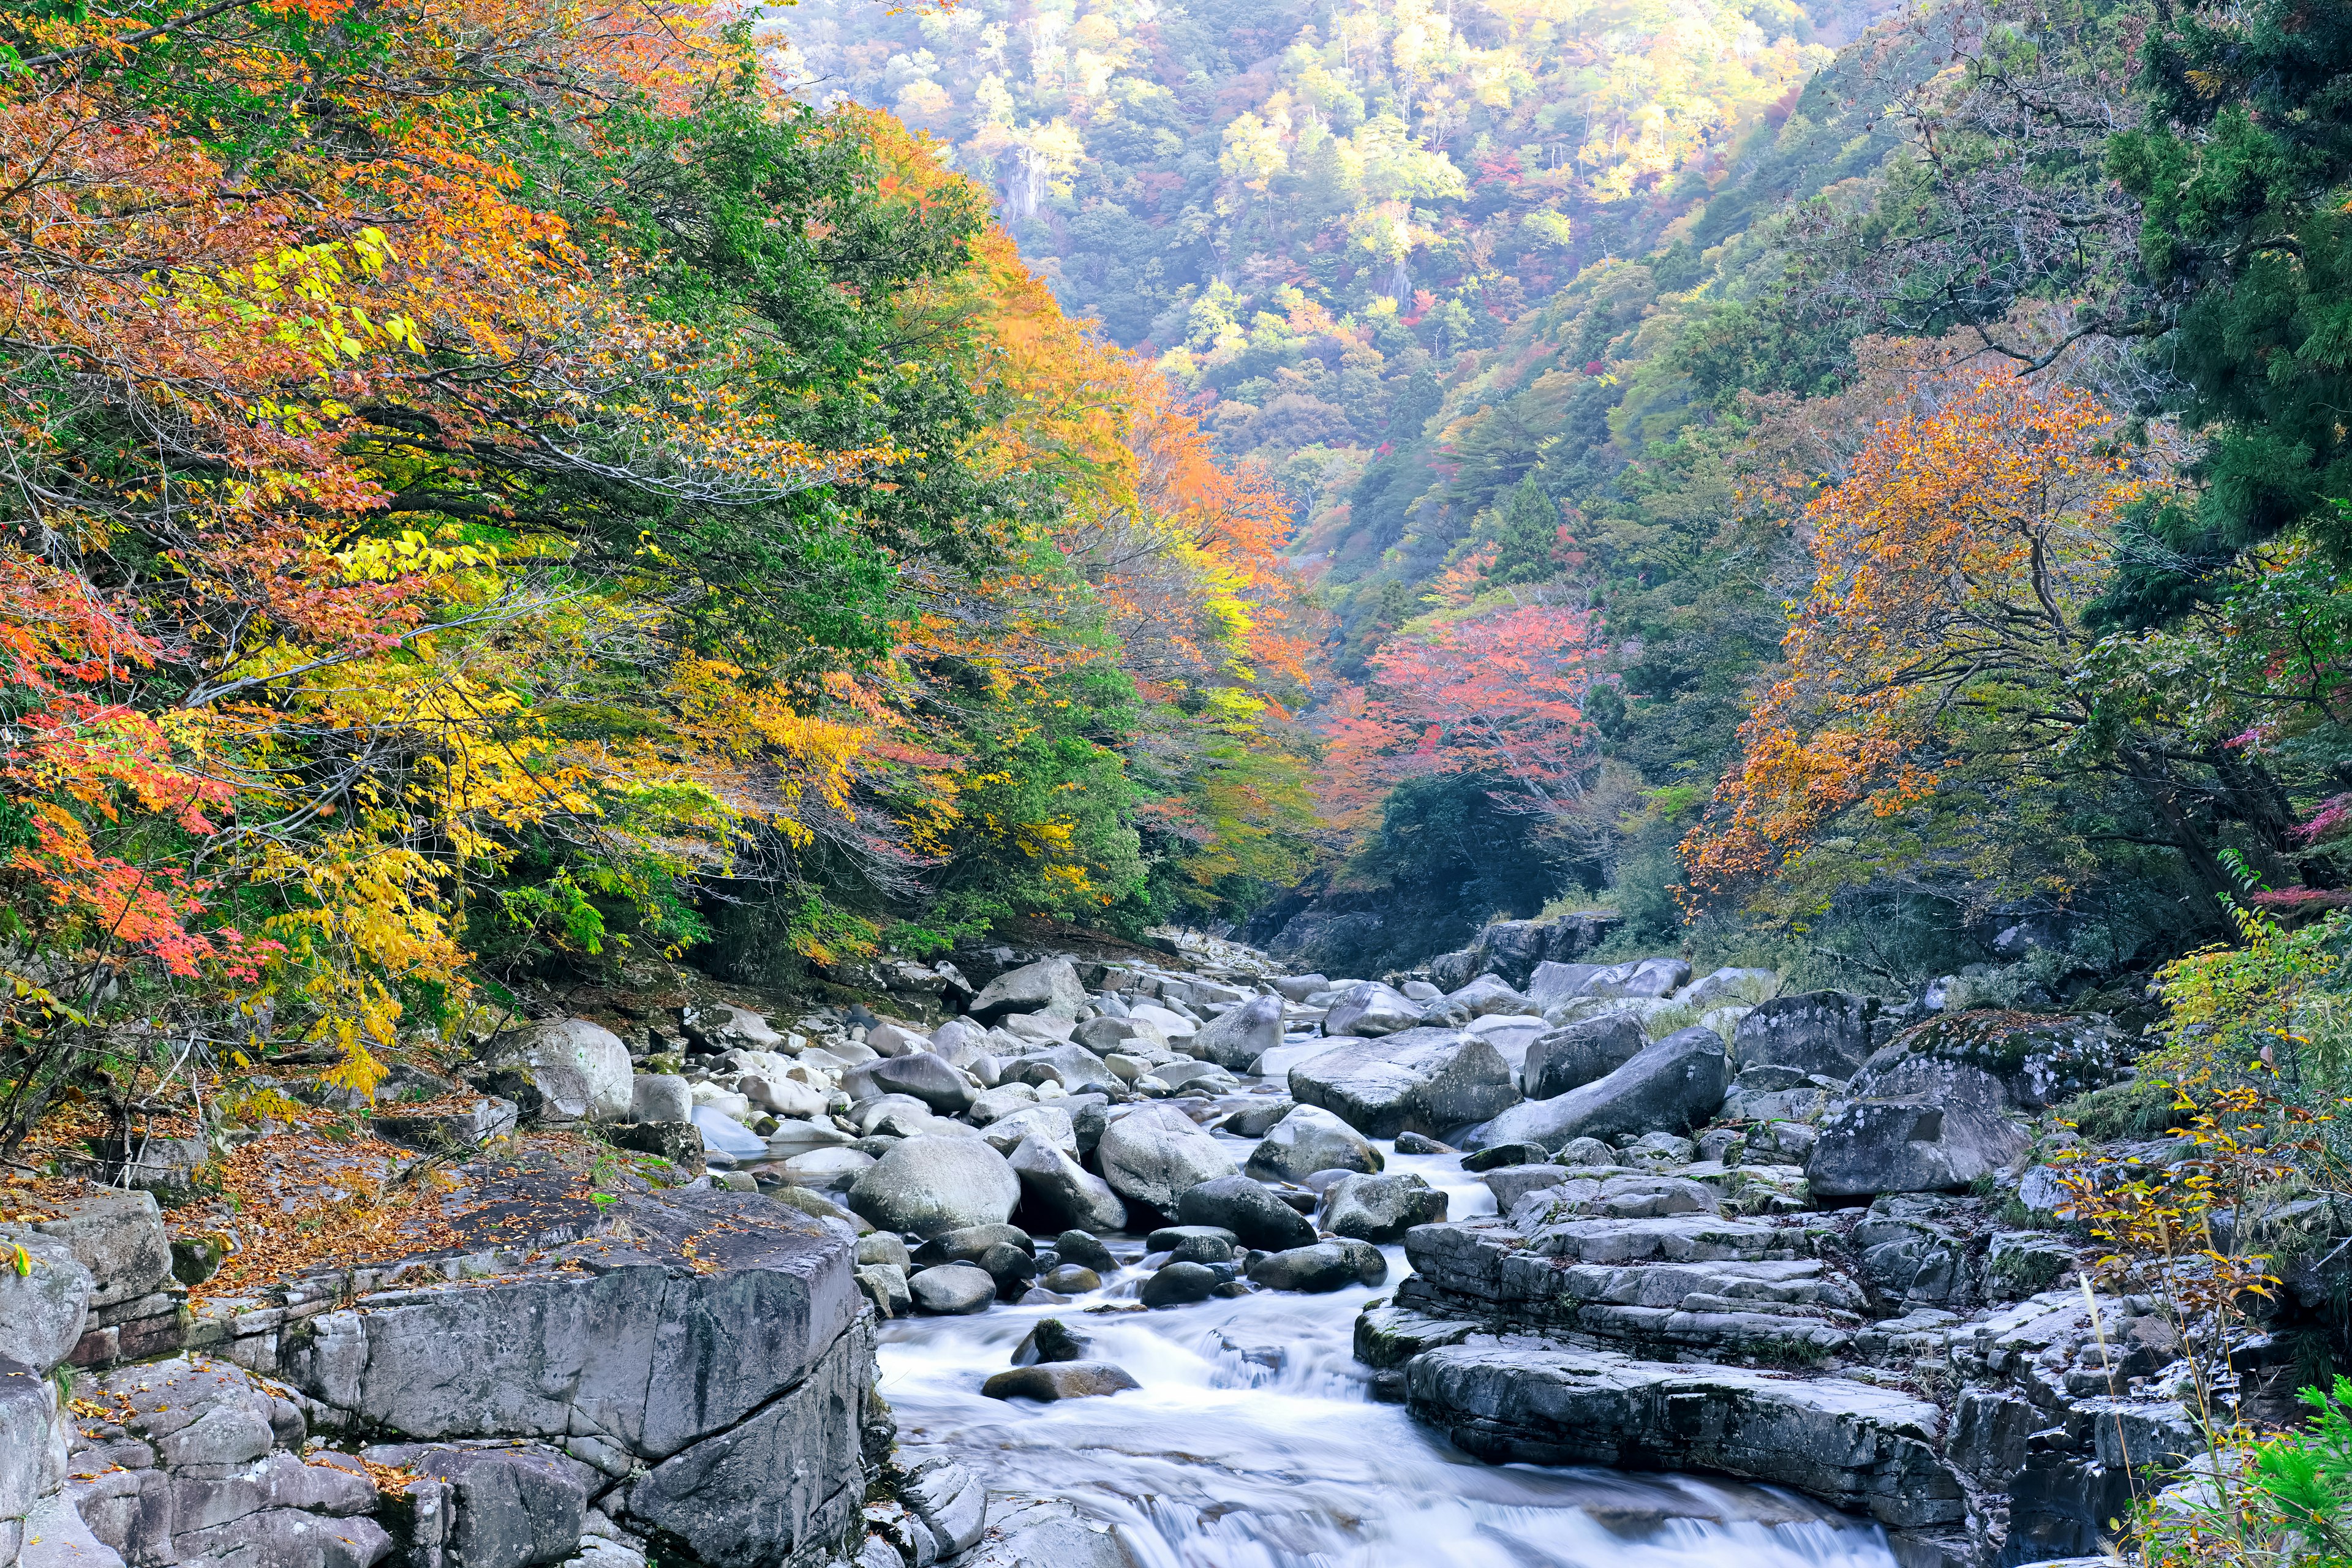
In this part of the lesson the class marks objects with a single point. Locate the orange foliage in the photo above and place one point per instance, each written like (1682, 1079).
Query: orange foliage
(1951, 566)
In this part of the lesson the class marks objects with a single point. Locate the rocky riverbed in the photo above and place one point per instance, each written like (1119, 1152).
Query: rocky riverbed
(1171, 1259)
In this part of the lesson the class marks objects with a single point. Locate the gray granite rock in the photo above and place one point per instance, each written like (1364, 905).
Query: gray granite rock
(1423, 1080)
(581, 1068)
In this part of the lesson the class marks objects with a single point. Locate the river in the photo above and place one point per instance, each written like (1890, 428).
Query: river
(1254, 1442)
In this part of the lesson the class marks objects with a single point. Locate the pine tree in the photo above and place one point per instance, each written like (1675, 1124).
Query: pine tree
(1528, 539)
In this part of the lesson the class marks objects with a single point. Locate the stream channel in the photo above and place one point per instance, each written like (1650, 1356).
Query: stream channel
(1254, 1442)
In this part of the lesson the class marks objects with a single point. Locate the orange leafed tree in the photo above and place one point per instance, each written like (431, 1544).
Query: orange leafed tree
(1952, 564)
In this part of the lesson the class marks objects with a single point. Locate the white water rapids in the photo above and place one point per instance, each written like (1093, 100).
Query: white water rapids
(1254, 1443)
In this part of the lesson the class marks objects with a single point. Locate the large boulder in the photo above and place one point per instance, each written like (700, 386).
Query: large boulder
(1379, 1209)
(1852, 1445)
(1370, 1009)
(43, 1309)
(1236, 1040)
(1491, 994)
(921, 1074)
(2034, 1063)
(1674, 1085)
(581, 1069)
(1642, 978)
(952, 1290)
(1050, 986)
(927, 1184)
(1553, 984)
(1075, 1069)
(1875, 1146)
(1580, 1054)
(1047, 1123)
(1310, 1139)
(1256, 1216)
(1826, 1032)
(1422, 1081)
(511, 1510)
(1074, 1196)
(1325, 1265)
(1155, 1153)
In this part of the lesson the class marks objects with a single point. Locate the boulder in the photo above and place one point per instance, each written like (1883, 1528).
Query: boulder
(1580, 1054)
(1324, 1265)
(990, 1104)
(952, 1290)
(1105, 1035)
(959, 1041)
(1196, 1077)
(1428, 1080)
(1256, 1216)
(785, 1095)
(1852, 1445)
(1676, 1084)
(921, 1076)
(1070, 1280)
(660, 1097)
(1826, 1032)
(1379, 1209)
(970, 1245)
(1029, 1531)
(510, 1508)
(1050, 986)
(827, 1170)
(1050, 1381)
(1490, 993)
(1299, 987)
(889, 1039)
(1728, 986)
(1154, 1155)
(1995, 1059)
(42, 1311)
(1050, 1341)
(1080, 1247)
(1077, 1069)
(119, 1236)
(1553, 984)
(949, 1500)
(1047, 1123)
(1370, 1009)
(1252, 1119)
(1307, 1139)
(1236, 1040)
(1876, 1146)
(1644, 977)
(1179, 1284)
(931, 1184)
(1073, 1196)
(581, 1069)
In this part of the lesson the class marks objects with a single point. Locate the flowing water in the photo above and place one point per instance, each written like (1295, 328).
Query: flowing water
(1254, 1443)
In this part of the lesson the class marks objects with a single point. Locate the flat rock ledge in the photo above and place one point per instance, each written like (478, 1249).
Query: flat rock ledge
(1867, 1449)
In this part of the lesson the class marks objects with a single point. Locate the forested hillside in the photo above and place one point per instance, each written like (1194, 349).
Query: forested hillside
(498, 491)
(1555, 324)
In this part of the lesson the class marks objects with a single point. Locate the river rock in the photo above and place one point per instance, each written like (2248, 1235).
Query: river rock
(952, 1290)
(1077, 1069)
(1642, 978)
(1826, 1032)
(1852, 1445)
(949, 1500)
(1154, 1155)
(1050, 986)
(959, 1041)
(579, 1068)
(1310, 1139)
(1047, 1123)
(1073, 1196)
(1370, 1008)
(1428, 1080)
(1324, 1265)
(1236, 1040)
(1050, 1381)
(660, 1097)
(970, 1244)
(920, 1076)
(1079, 1246)
(1490, 993)
(1676, 1084)
(1050, 1341)
(1251, 1121)
(1553, 984)
(1580, 1054)
(991, 1104)
(1727, 986)
(1876, 1146)
(931, 1184)
(828, 1169)
(1070, 1280)
(1379, 1209)
(1108, 1033)
(1026, 1532)
(1994, 1060)
(1178, 1284)
(1299, 987)
(1256, 1216)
